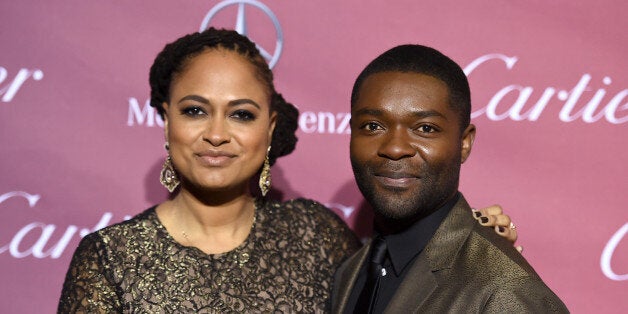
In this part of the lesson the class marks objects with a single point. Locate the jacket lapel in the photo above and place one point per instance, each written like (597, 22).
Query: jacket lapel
(439, 254)
(415, 289)
(450, 236)
(346, 277)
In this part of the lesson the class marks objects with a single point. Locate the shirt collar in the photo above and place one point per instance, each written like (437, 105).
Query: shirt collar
(404, 246)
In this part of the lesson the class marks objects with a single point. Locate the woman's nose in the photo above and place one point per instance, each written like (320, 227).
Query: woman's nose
(217, 132)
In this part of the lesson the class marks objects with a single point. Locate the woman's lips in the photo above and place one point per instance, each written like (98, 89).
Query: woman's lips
(215, 158)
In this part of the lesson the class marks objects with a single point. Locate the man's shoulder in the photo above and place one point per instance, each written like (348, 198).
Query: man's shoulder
(496, 257)
(474, 265)
(473, 248)
(503, 279)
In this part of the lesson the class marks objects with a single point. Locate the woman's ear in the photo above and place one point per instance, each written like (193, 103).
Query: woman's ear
(273, 123)
(468, 136)
(165, 108)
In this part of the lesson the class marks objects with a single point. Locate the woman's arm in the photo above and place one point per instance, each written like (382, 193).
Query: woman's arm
(88, 286)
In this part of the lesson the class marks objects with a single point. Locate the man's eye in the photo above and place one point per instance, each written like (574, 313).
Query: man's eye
(427, 129)
(243, 115)
(371, 126)
(193, 111)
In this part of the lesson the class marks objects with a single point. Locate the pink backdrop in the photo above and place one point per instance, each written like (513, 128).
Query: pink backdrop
(80, 149)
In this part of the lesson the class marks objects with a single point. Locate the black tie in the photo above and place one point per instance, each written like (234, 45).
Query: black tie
(368, 297)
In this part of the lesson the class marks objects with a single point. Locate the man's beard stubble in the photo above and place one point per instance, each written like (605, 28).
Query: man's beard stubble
(437, 185)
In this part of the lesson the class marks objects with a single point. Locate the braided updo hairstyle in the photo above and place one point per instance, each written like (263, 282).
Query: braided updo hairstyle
(172, 60)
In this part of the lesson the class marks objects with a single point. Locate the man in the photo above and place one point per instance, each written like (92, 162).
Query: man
(410, 132)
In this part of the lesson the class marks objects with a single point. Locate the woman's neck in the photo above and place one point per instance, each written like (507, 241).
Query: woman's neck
(213, 227)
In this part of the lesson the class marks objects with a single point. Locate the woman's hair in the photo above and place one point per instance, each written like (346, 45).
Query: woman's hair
(172, 60)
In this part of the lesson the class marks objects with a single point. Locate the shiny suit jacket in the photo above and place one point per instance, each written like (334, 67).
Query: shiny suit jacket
(465, 268)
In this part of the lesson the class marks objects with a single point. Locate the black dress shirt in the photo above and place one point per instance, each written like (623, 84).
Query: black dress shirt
(403, 249)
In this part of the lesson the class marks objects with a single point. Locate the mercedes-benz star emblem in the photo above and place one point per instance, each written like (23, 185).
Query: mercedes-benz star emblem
(241, 26)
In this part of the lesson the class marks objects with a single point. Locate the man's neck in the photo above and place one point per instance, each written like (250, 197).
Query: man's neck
(385, 226)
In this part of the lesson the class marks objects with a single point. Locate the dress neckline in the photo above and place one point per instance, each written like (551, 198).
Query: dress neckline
(241, 251)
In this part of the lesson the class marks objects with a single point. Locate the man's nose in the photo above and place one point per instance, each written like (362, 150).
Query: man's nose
(397, 145)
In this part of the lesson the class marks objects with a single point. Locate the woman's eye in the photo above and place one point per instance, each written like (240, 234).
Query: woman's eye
(193, 111)
(243, 115)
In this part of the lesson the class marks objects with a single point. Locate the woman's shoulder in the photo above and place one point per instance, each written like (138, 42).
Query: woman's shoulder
(141, 224)
(303, 209)
(313, 225)
(305, 214)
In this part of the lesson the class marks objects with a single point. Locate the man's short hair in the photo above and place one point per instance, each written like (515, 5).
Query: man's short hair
(427, 61)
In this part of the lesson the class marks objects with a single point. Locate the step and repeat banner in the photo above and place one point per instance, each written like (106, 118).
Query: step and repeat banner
(81, 148)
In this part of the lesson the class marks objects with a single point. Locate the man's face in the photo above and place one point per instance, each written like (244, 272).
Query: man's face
(406, 144)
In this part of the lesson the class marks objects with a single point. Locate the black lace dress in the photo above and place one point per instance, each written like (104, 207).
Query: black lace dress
(285, 265)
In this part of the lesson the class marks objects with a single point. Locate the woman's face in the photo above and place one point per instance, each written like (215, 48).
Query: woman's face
(218, 121)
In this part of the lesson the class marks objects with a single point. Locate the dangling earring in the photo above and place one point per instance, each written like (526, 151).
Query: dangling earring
(168, 176)
(264, 177)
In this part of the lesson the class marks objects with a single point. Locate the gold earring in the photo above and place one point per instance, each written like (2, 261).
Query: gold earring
(168, 176)
(264, 177)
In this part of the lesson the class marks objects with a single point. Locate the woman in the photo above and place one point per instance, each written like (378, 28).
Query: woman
(214, 247)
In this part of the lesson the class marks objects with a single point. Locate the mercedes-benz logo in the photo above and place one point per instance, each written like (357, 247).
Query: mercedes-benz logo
(241, 26)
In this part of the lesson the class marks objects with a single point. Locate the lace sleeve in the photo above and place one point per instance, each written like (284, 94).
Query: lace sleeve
(345, 242)
(88, 287)
(339, 240)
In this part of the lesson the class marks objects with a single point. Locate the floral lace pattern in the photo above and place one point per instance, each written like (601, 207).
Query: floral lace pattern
(285, 265)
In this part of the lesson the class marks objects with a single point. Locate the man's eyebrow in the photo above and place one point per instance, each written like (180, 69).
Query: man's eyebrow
(367, 112)
(421, 114)
(428, 113)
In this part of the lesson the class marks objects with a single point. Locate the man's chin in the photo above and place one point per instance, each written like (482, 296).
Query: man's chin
(394, 209)
(400, 208)
(396, 214)
(393, 220)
